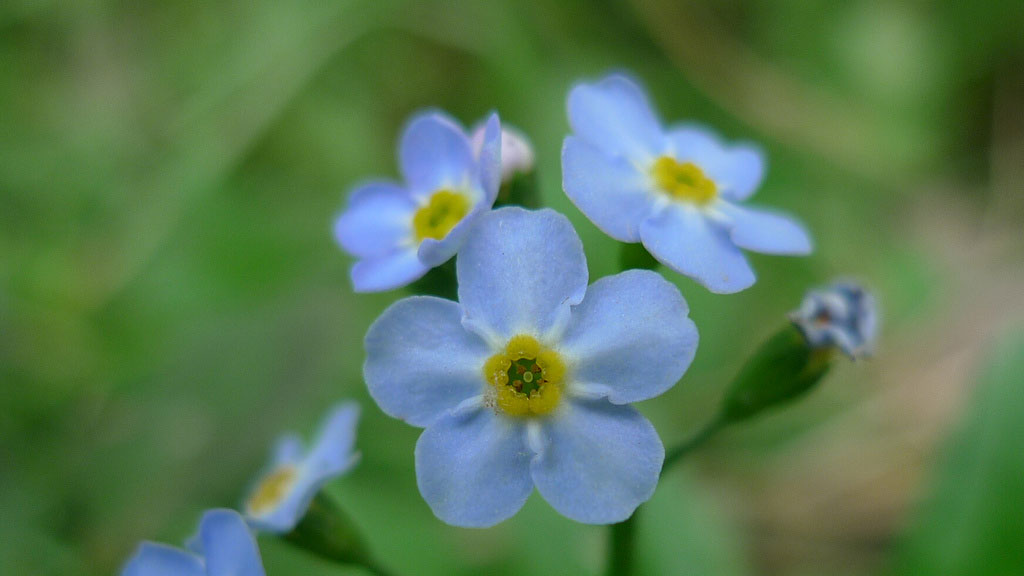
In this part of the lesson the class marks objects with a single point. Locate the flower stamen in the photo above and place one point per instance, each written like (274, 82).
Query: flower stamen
(440, 214)
(683, 181)
(272, 490)
(527, 377)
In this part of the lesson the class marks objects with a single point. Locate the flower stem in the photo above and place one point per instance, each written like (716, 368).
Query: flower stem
(696, 441)
(622, 545)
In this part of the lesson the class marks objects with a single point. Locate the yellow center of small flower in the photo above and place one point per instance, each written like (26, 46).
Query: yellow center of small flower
(272, 490)
(527, 377)
(436, 218)
(685, 181)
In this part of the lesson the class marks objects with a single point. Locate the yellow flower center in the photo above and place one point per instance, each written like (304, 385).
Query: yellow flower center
(527, 377)
(272, 490)
(684, 181)
(437, 217)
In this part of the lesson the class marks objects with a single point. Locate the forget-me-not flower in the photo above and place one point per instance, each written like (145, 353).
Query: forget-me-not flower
(526, 380)
(399, 232)
(843, 314)
(294, 475)
(679, 191)
(224, 547)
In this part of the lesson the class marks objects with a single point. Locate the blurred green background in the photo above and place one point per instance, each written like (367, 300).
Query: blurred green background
(171, 298)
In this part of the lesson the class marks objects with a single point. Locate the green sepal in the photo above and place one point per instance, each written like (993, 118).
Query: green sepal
(635, 256)
(784, 368)
(328, 532)
(521, 190)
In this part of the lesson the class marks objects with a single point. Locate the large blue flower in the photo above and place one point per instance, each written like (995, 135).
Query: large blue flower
(283, 492)
(843, 315)
(223, 547)
(399, 232)
(678, 191)
(527, 380)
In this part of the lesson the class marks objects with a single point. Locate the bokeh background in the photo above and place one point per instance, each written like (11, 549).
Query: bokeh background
(171, 298)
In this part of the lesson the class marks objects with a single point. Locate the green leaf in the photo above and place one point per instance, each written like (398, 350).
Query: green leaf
(973, 522)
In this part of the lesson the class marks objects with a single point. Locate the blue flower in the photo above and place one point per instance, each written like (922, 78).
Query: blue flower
(224, 547)
(678, 191)
(527, 380)
(399, 232)
(842, 314)
(283, 492)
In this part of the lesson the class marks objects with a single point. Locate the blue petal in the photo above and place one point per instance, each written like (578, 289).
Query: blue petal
(421, 362)
(615, 116)
(765, 231)
(160, 560)
(608, 190)
(229, 545)
(737, 170)
(473, 467)
(519, 272)
(683, 239)
(333, 453)
(378, 219)
(288, 451)
(598, 462)
(436, 252)
(490, 159)
(435, 153)
(630, 339)
(387, 272)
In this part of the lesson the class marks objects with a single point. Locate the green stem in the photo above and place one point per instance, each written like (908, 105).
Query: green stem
(622, 545)
(696, 441)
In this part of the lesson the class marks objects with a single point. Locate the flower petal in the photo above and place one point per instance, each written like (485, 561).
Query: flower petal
(288, 450)
(683, 239)
(421, 362)
(436, 252)
(615, 116)
(765, 231)
(435, 153)
(387, 272)
(630, 338)
(333, 453)
(599, 461)
(160, 560)
(378, 219)
(473, 467)
(737, 169)
(228, 544)
(489, 155)
(520, 271)
(609, 190)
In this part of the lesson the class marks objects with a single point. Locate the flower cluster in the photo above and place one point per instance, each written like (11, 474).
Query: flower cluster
(527, 380)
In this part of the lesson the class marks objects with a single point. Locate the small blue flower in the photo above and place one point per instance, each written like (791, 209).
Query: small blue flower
(223, 547)
(677, 191)
(526, 381)
(842, 314)
(283, 492)
(399, 232)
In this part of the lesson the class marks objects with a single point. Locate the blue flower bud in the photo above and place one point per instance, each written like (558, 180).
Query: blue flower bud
(843, 314)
